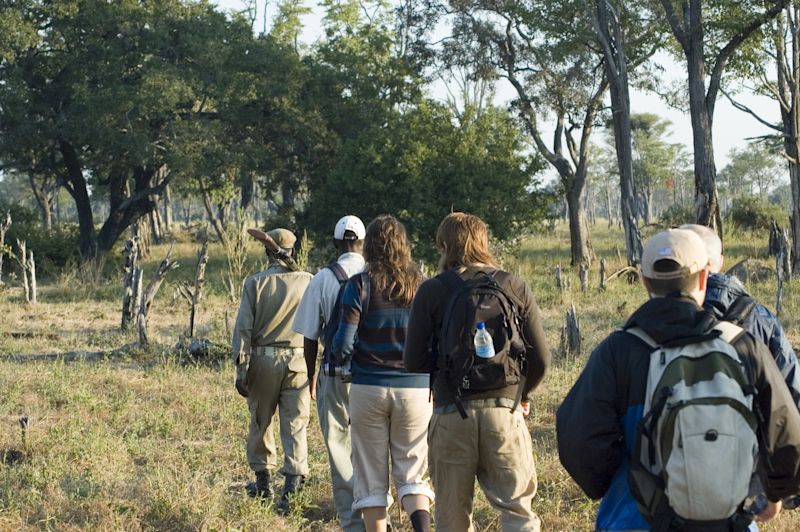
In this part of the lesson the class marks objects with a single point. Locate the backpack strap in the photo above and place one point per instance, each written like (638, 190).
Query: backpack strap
(338, 271)
(639, 333)
(452, 281)
(740, 309)
(728, 331)
(366, 292)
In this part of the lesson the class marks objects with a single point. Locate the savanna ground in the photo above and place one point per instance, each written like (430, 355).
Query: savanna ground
(153, 440)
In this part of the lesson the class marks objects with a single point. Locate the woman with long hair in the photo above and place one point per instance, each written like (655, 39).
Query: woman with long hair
(389, 407)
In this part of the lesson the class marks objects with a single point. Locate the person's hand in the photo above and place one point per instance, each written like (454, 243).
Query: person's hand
(772, 510)
(312, 388)
(526, 408)
(241, 387)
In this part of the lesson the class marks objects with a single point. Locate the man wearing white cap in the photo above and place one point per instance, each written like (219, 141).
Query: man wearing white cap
(330, 392)
(664, 420)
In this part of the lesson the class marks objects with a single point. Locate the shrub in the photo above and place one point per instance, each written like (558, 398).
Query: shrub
(53, 249)
(751, 212)
(677, 214)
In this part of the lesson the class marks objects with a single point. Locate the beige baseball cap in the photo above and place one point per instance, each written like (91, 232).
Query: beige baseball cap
(283, 237)
(682, 246)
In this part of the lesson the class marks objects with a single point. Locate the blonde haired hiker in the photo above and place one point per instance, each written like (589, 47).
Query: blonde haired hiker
(480, 396)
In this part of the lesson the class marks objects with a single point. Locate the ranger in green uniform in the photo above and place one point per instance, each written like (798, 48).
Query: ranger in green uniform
(271, 371)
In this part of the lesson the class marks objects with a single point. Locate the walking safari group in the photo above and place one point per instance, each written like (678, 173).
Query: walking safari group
(684, 419)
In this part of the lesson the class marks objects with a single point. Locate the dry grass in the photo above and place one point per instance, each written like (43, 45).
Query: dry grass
(149, 441)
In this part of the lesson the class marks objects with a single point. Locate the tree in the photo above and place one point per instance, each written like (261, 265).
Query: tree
(653, 162)
(120, 92)
(547, 52)
(424, 163)
(612, 35)
(780, 50)
(752, 167)
(710, 33)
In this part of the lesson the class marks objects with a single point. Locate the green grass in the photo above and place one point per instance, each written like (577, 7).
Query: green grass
(149, 441)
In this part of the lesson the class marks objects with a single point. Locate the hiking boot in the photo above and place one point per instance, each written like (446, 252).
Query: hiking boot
(263, 488)
(292, 485)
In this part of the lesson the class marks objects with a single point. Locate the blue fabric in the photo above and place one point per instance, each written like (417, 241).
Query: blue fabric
(373, 342)
(722, 291)
(618, 510)
(387, 377)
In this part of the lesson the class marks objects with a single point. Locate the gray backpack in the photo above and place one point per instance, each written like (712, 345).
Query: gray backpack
(697, 444)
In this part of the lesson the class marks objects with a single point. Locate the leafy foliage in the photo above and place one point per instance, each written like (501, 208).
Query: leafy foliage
(750, 212)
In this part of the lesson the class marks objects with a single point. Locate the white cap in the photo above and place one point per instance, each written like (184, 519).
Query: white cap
(349, 223)
(682, 246)
(712, 242)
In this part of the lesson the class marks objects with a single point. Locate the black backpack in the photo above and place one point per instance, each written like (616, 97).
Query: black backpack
(329, 358)
(480, 299)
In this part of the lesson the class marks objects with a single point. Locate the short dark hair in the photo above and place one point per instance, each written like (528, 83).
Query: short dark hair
(349, 243)
(665, 287)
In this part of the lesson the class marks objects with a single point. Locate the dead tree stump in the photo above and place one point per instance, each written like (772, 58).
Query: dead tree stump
(5, 223)
(584, 277)
(774, 238)
(193, 294)
(781, 274)
(559, 279)
(28, 268)
(602, 273)
(571, 333)
(132, 284)
(147, 298)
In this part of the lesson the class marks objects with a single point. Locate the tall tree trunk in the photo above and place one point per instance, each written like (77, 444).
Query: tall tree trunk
(705, 170)
(247, 191)
(613, 43)
(44, 199)
(126, 207)
(790, 118)
(168, 209)
(580, 246)
(76, 186)
(212, 217)
(688, 29)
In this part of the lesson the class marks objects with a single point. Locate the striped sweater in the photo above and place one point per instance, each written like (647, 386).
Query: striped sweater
(374, 341)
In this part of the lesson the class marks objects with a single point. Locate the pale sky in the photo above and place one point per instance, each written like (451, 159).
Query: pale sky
(731, 127)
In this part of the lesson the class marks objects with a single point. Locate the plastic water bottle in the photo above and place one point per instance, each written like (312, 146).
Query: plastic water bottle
(484, 345)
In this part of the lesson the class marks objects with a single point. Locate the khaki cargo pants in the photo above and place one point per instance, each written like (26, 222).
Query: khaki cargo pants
(334, 421)
(492, 444)
(278, 379)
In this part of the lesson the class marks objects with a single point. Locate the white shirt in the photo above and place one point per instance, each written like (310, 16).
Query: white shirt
(317, 304)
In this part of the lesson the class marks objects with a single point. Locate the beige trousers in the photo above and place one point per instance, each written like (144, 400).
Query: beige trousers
(492, 445)
(334, 421)
(389, 424)
(278, 380)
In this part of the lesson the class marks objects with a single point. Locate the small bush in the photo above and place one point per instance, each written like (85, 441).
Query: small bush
(677, 215)
(750, 212)
(53, 249)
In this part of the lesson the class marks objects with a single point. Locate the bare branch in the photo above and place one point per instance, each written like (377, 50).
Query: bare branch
(748, 110)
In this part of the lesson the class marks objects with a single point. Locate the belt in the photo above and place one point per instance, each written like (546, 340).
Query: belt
(275, 350)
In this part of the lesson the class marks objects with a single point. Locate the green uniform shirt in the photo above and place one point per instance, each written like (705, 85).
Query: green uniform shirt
(269, 303)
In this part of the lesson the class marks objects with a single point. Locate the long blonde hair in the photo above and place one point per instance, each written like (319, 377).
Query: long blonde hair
(463, 239)
(388, 256)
